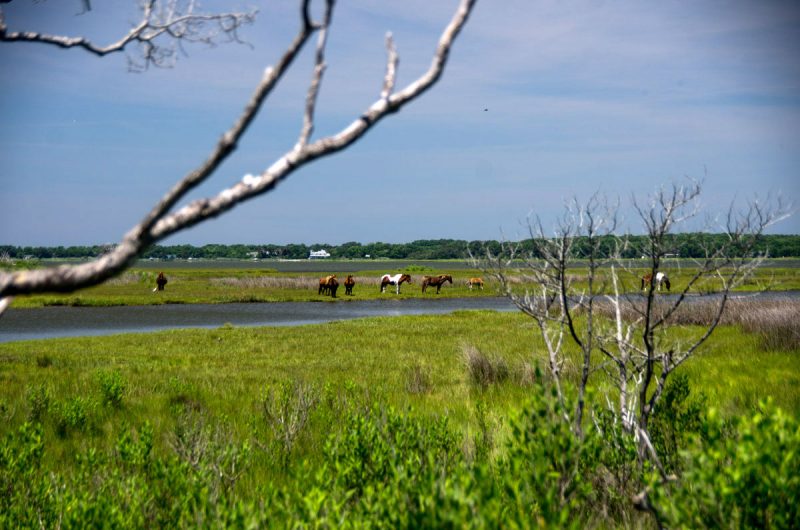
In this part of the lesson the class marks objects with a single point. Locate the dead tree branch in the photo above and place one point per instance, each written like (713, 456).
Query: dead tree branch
(159, 223)
(164, 26)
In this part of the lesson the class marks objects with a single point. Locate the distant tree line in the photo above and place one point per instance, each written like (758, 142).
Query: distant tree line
(687, 245)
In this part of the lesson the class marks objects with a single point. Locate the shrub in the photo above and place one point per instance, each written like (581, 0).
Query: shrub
(43, 361)
(675, 420)
(112, 388)
(747, 476)
(39, 399)
(72, 415)
(548, 470)
(286, 413)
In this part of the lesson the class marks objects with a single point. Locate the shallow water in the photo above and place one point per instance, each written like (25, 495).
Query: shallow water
(52, 322)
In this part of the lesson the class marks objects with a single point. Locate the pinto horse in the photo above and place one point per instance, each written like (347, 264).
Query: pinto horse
(397, 279)
(325, 284)
(661, 278)
(348, 285)
(472, 282)
(436, 281)
(161, 281)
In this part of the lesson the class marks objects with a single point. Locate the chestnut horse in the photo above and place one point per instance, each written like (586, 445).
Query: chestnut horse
(647, 280)
(397, 279)
(348, 285)
(436, 281)
(325, 284)
(475, 281)
(161, 281)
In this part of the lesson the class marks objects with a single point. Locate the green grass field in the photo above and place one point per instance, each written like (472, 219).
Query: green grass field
(365, 422)
(228, 369)
(196, 285)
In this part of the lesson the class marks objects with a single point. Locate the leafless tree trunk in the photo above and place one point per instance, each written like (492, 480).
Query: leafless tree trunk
(161, 221)
(554, 301)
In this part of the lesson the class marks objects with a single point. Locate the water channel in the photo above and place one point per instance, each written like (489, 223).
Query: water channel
(52, 322)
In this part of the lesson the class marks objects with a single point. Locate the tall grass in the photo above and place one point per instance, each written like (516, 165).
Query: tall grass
(192, 428)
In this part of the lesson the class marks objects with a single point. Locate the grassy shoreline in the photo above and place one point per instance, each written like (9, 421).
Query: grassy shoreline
(218, 286)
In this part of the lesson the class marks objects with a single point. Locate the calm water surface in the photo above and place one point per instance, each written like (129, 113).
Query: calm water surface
(51, 322)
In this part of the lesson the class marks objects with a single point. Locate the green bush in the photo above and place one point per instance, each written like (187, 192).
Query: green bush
(676, 418)
(112, 388)
(74, 414)
(39, 398)
(742, 473)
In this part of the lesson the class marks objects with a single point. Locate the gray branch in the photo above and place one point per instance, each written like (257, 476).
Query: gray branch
(163, 26)
(159, 223)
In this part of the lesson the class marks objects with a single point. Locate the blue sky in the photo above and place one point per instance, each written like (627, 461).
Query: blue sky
(619, 97)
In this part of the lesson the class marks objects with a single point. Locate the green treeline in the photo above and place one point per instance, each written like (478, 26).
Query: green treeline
(687, 245)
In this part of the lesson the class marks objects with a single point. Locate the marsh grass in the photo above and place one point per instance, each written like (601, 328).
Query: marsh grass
(205, 397)
(190, 285)
(417, 380)
(483, 369)
(437, 364)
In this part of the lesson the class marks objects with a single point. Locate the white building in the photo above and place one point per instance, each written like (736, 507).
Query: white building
(319, 254)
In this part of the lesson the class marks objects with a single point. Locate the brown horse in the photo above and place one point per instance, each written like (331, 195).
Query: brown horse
(436, 281)
(161, 281)
(397, 279)
(472, 282)
(325, 283)
(348, 285)
(661, 278)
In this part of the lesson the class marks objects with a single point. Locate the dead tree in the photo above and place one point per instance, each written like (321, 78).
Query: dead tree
(162, 221)
(629, 330)
(539, 283)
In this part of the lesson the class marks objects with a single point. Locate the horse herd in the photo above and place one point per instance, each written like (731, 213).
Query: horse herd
(329, 284)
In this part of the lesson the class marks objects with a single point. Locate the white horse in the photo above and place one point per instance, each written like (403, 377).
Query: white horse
(396, 280)
(661, 278)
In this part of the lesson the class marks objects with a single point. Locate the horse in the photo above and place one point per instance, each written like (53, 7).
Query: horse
(161, 281)
(397, 279)
(348, 285)
(436, 281)
(324, 284)
(661, 278)
(475, 281)
(333, 285)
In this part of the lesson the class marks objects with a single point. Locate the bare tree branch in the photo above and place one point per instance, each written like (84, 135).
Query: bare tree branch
(159, 223)
(164, 25)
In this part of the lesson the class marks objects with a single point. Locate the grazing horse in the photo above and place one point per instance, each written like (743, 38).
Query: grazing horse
(333, 285)
(472, 282)
(436, 281)
(647, 280)
(325, 283)
(397, 279)
(348, 285)
(161, 281)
